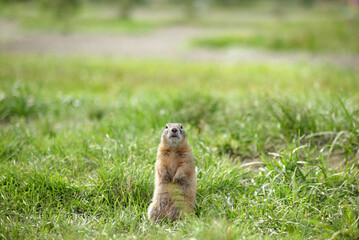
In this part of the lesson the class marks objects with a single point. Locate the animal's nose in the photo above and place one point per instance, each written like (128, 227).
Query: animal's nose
(174, 130)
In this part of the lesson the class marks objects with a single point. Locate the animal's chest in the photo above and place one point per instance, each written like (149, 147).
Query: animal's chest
(172, 163)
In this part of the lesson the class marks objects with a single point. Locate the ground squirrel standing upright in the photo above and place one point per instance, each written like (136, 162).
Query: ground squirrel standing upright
(175, 179)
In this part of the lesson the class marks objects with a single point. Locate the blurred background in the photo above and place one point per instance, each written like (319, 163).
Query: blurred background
(204, 30)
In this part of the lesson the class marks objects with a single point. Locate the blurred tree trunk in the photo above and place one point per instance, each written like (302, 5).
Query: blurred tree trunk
(126, 7)
(308, 3)
(62, 9)
(190, 8)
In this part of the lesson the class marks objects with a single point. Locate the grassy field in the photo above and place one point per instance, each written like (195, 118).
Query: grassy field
(276, 148)
(326, 29)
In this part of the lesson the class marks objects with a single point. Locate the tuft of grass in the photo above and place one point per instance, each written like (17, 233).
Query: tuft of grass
(19, 103)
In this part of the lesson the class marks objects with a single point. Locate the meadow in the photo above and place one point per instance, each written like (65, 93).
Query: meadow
(276, 144)
(335, 35)
(276, 148)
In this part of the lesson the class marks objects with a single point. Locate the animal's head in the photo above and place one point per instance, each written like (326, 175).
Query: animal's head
(174, 135)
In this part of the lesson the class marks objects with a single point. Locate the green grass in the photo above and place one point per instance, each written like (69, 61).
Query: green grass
(78, 141)
(325, 28)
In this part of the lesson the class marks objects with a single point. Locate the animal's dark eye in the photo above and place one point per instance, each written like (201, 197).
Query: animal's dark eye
(166, 126)
(181, 127)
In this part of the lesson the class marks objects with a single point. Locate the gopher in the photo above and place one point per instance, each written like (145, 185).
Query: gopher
(175, 177)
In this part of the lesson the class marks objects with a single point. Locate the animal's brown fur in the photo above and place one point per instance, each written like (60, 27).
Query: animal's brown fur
(175, 177)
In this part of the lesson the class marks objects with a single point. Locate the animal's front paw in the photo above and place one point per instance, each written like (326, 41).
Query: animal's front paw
(166, 176)
(179, 179)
